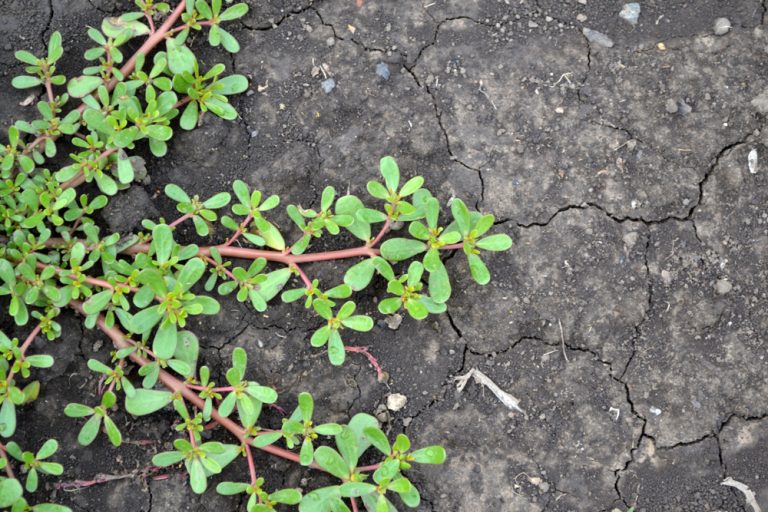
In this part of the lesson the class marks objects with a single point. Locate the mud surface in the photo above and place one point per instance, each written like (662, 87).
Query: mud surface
(629, 318)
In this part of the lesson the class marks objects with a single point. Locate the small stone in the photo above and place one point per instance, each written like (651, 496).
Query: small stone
(630, 12)
(407, 421)
(582, 2)
(330, 41)
(600, 39)
(394, 321)
(671, 106)
(383, 70)
(723, 286)
(654, 410)
(396, 401)
(254, 134)
(581, 17)
(328, 85)
(685, 108)
(532, 24)
(722, 26)
(760, 102)
(666, 277)
(752, 161)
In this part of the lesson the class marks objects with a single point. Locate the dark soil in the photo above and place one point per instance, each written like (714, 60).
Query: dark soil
(630, 316)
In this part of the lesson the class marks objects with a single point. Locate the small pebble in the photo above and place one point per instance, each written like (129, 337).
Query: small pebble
(328, 85)
(532, 24)
(654, 410)
(383, 70)
(723, 286)
(722, 26)
(581, 17)
(671, 106)
(330, 41)
(685, 108)
(394, 321)
(752, 161)
(396, 401)
(582, 2)
(630, 12)
(600, 39)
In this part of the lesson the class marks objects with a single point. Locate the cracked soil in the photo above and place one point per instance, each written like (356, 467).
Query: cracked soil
(638, 231)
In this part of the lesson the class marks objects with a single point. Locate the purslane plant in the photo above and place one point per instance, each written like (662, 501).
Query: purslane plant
(141, 290)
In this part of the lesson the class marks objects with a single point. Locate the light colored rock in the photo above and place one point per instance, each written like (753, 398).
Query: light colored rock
(396, 401)
(722, 26)
(723, 286)
(600, 39)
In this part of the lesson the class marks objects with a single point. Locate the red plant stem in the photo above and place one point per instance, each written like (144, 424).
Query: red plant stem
(112, 384)
(225, 389)
(251, 465)
(375, 363)
(90, 280)
(304, 277)
(354, 504)
(182, 102)
(34, 143)
(180, 220)
(381, 234)
(8, 468)
(372, 467)
(176, 386)
(23, 350)
(49, 90)
(80, 177)
(151, 23)
(239, 231)
(192, 439)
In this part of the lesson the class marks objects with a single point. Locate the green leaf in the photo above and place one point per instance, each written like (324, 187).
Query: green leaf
(189, 118)
(83, 85)
(356, 489)
(399, 249)
(499, 242)
(113, 433)
(390, 171)
(359, 323)
(7, 418)
(147, 401)
(378, 439)
(461, 216)
(97, 302)
(478, 269)
(164, 344)
(320, 336)
(10, 491)
(48, 449)
(330, 460)
(162, 242)
(429, 455)
(77, 410)
(176, 193)
(180, 58)
(360, 274)
(165, 459)
(231, 488)
(190, 273)
(40, 360)
(234, 12)
(197, 479)
(89, 431)
(306, 454)
(336, 349)
(346, 442)
(359, 423)
(262, 393)
(439, 284)
(25, 82)
(232, 84)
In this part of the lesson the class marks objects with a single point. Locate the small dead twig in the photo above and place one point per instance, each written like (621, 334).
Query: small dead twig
(505, 398)
(562, 341)
(745, 490)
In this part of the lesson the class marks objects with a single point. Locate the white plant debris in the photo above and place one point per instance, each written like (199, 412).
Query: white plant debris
(505, 398)
(745, 490)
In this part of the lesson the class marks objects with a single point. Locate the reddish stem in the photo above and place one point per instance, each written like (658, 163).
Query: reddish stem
(176, 386)
(381, 234)
(180, 220)
(34, 143)
(8, 468)
(239, 231)
(304, 277)
(185, 26)
(354, 504)
(49, 90)
(151, 23)
(251, 465)
(367, 469)
(380, 375)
